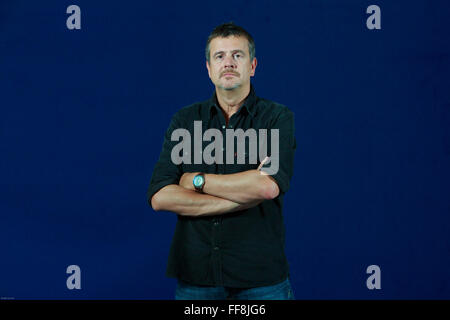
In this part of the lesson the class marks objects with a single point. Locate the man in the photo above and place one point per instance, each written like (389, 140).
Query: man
(229, 237)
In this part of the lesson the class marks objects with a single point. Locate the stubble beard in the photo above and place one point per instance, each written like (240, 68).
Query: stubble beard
(229, 88)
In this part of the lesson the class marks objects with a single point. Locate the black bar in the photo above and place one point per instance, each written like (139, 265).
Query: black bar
(206, 309)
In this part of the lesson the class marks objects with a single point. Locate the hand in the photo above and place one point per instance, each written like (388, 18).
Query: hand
(186, 180)
(261, 164)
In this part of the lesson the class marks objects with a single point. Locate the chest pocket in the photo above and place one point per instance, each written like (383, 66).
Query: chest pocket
(197, 160)
(245, 157)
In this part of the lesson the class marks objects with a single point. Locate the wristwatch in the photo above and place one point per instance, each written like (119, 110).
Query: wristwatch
(199, 182)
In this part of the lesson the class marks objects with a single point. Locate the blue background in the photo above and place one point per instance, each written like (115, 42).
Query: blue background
(83, 113)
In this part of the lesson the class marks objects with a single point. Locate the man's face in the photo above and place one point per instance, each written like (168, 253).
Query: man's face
(230, 66)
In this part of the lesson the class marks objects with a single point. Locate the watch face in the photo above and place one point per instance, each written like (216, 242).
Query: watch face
(198, 181)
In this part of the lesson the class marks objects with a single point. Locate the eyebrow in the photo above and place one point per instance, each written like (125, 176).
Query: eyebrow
(232, 51)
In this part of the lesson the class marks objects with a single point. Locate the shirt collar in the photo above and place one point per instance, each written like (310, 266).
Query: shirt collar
(249, 103)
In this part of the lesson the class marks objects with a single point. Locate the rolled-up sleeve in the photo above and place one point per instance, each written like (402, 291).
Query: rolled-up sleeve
(287, 146)
(165, 171)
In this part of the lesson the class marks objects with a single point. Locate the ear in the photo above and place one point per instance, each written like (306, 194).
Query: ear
(207, 67)
(253, 66)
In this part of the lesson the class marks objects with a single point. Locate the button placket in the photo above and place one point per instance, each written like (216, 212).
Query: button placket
(216, 254)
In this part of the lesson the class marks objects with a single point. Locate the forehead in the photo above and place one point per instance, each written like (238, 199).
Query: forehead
(228, 44)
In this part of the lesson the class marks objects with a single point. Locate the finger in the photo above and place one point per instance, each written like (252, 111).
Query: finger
(262, 162)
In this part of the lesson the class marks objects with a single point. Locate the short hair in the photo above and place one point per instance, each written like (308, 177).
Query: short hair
(230, 29)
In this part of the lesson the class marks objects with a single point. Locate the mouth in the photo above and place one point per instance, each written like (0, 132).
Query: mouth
(229, 74)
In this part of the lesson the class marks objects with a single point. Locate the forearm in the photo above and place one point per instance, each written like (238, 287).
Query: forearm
(186, 202)
(243, 187)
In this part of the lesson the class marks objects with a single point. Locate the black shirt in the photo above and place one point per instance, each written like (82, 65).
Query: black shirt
(241, 249)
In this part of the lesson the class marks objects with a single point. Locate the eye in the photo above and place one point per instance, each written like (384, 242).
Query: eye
(237, 55)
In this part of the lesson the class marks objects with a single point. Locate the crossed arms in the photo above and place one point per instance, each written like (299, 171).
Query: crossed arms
(223, 193)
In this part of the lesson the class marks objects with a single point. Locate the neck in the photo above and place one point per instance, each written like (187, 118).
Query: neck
(231, 100)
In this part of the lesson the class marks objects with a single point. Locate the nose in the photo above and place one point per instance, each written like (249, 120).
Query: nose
(229, 62)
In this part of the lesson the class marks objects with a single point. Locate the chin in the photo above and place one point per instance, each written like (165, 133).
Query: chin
(229, 87)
